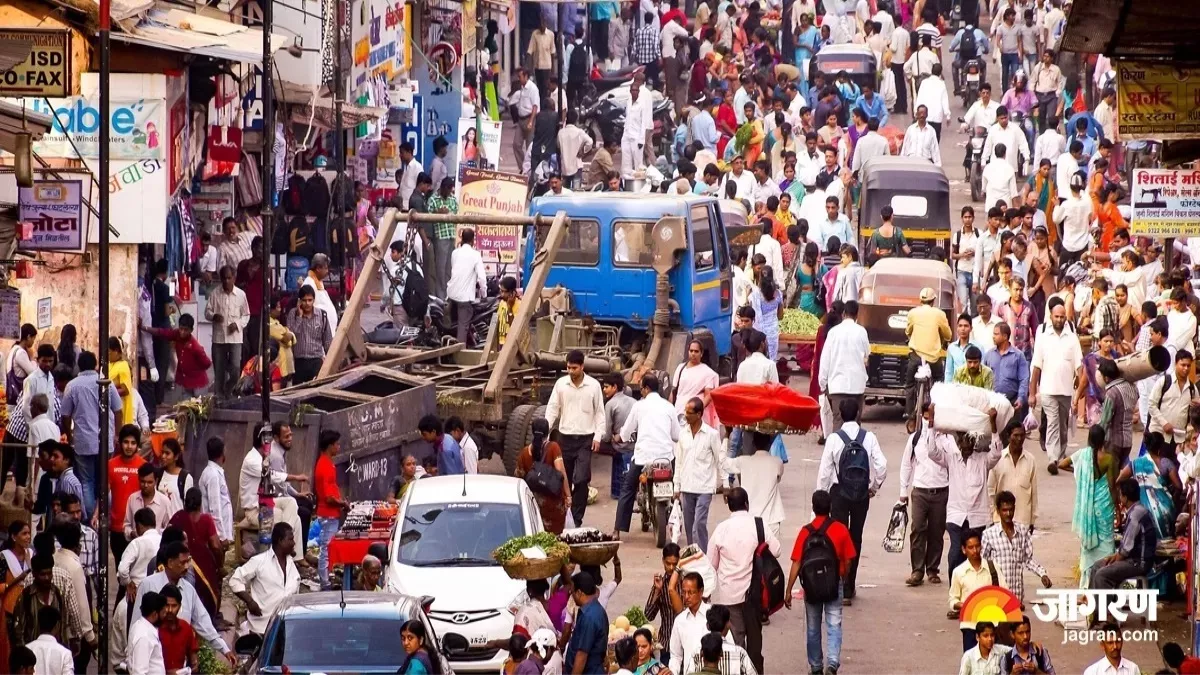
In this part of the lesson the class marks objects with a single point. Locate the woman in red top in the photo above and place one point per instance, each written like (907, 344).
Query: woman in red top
(328, 498)
(205, 546)
(191, 373)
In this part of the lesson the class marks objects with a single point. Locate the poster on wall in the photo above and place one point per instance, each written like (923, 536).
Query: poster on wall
(439, 79)
(1165, 203)
(379, 31)
(138, 126)
(55, 208)
(1157, 101)
(10, 313)
(489, 193)
(478, 150)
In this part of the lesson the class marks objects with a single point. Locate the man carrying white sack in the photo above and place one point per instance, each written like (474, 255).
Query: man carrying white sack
(967, 506)
(1057, 362)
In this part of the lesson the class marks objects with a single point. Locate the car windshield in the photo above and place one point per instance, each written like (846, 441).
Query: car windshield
(305, 644)
(456, 534)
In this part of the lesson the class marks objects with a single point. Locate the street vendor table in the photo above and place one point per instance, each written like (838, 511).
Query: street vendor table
(788, 345)
(349, 553)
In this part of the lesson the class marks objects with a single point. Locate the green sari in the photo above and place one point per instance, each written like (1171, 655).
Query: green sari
(1094, 513)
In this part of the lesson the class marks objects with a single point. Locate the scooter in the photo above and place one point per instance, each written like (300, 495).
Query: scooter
(956, 17)
(601, 83)
(656, 491)
(1026, 125)
(975, 170)
(972, 74)
(603, 120)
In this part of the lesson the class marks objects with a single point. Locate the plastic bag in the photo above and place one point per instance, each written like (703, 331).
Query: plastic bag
(893, 540)
(960, 407)
(570, 524)
(1031, 421)
(675, 522)
(778, 449)
(692, 559)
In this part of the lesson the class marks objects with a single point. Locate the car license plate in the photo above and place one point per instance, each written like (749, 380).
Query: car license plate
(972, 77)
(664, 490)
(479, 640)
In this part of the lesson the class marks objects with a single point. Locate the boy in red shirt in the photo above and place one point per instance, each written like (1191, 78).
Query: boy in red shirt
(123, 482)
(829, 538)
(191, 372)
(180, 647)
(328, 498)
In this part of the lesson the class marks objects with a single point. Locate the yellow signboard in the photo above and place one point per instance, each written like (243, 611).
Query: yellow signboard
(1157, 101)
(46, 72)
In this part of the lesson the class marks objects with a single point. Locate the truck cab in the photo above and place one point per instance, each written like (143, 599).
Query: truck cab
(616, 246)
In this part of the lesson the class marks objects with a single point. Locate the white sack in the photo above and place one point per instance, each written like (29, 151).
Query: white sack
(959, 407)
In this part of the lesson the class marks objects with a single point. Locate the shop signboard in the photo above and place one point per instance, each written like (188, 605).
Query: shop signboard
(55, 208)
(138, 127)
(1157, 101)
(44, 315)
(483, 192)
(10, 314)
(47, 70)
(379, 31)
(1166, 203)
(478, 150)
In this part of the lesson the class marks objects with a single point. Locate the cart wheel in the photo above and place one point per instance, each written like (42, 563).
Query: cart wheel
(660, 533)
(514, 436)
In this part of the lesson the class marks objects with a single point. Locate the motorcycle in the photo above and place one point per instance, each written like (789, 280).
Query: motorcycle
(664, 129)
(603, 120)
(956, 17)
(972, 77)
(601, 84)
(440, 317)
(656, 491)
(975, 171)
(1025, 124)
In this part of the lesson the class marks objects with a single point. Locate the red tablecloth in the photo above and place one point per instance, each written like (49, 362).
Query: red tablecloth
(351, 551)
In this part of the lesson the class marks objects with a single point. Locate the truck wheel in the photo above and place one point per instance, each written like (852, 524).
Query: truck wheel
(514, 436)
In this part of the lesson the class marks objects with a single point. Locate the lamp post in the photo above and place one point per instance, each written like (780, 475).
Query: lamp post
(104, 383)
(268, 207)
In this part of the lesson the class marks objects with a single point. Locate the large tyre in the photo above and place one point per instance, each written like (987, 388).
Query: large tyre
(660, 515)
(514, 436)
(976, 183)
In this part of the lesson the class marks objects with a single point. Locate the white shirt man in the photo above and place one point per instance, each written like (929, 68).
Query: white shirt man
(52, 658)
(917, 469)
(269, 585)
(686, 632)
(639, 119)
(1181, 329)
(1050, 145)
(745, 184)
(999, 183)
(1073, 217)
(936, 100)
(731, 552)
(467, 275)
(832, 456)
(1105, 667)
(760, 473)
(214, 491)
(42, 428)
(136, 559)
(920, 140)
(844, 361)
(656, 424)
(756, 368)
(698, 459)
(1059, 361)
(670, 31)
(772, 251)
(577, 409)
(981, 114)
(871, 145)
(145, 656)
(1013, 138)
(412, 168)
(249, 478)
(968, 500)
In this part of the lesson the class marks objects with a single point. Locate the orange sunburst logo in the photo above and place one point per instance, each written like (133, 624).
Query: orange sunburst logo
(993, 604)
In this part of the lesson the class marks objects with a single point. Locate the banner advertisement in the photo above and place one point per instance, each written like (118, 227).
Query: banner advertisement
(379, 32)
(478, 153)
(47, 69)
(1165, 203)
(1157, 101)
(55, 207)
(138, 127)
(491, 193)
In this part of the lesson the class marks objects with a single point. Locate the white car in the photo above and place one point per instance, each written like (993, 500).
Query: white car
(442, 547)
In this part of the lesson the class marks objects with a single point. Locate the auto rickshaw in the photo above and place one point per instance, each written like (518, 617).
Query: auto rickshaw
(919, 194)
(740, 228)
(886, 292)
(857, 61)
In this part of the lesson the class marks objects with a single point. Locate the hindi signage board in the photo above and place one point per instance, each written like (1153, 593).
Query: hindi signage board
(1165, 203)
(1157, 101)
(47, 69)
(55, 207)
(492, 193)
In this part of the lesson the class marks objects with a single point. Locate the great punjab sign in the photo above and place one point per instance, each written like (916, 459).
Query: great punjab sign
(1157, 101)
(47, 69)
(1165, 203)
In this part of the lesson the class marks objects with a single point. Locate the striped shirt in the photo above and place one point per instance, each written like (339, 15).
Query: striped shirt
(234, 251)
(659, 601)
(443, 230)
(931, 31)
(734, 661)
(313, 334)
(646, 45)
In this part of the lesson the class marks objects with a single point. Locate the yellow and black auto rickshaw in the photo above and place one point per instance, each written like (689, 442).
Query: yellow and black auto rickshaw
(886, 292)
(919, 194)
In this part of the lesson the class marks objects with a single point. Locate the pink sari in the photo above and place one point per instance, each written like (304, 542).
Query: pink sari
(691, 381)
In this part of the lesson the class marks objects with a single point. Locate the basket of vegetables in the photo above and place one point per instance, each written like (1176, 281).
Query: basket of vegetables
(798, 325)
(590, 546)
(538, 556)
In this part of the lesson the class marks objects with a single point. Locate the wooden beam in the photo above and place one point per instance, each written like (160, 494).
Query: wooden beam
(543, 259)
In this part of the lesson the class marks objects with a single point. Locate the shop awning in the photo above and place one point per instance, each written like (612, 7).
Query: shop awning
(182, 31)
(14, 119)
(305, 103)
(1134, 30)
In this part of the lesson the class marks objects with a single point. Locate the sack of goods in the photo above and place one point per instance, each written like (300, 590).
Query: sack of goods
(960, 407)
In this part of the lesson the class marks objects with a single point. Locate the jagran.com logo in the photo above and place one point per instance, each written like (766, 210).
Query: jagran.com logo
(1075, 608)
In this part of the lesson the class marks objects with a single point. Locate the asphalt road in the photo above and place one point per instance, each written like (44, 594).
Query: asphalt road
(892, 628)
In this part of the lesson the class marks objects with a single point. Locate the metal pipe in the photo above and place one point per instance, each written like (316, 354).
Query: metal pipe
(471, 219)
(559, 361)
(662, 319)
(268, 207)
(339, 152)
(102, 291)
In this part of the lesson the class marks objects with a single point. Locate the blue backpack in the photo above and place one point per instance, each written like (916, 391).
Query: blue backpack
(854, 468)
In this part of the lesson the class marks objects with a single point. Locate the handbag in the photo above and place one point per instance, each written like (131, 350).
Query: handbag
(543, 479)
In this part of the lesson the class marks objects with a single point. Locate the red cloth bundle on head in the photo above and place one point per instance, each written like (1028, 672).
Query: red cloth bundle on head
(765, 405)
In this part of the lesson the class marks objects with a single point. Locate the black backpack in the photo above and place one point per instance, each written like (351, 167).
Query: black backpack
(577, 68)
(967, 49)
(854, 468)
(543, 479)
(315, 197)
(768, 583)
(415, 298)
(293, 196)
(345, 185)
(819, 575)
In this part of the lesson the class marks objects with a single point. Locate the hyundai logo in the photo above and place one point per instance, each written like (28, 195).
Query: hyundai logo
(460, 618)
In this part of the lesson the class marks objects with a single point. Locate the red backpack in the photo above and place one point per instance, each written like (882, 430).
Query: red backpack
(768, 584)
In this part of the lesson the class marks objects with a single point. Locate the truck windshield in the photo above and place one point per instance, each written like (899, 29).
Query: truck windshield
(456, 534)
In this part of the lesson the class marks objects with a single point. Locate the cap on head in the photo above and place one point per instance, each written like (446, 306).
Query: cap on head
(928, 295)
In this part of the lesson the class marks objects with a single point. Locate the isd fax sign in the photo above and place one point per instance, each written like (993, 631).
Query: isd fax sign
(47, 69)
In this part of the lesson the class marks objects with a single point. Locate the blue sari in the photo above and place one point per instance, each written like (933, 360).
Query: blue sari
(1152, 477)
(1094, 513)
